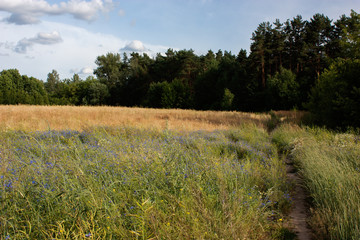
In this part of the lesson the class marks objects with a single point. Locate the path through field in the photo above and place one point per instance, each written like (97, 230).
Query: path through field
(299, 212)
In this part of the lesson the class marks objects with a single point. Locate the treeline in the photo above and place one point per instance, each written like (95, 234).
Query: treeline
(295, 64)
(17, 89)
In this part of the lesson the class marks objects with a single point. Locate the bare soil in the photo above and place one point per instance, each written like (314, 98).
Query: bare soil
(300, 209)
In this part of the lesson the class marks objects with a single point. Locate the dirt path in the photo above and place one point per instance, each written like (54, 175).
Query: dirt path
(299, 212)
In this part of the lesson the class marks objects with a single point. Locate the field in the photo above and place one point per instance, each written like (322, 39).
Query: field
(40, 118)
(330, 165)
(131, 173)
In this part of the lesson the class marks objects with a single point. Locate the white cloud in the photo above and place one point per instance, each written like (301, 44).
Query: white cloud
(29, 11)
(76, 53)
(22, 19)
(41, 38)
(134, 46)
(85, 10)
(87, 70)
(84, 71)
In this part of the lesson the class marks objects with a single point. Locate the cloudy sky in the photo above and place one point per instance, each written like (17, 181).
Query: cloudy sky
(37, 36)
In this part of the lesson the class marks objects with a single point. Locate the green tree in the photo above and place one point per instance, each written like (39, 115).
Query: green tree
(347, 31)
(260, 49)
(318, 37)
(92, 92)
(52, 82)
(169, 95)
(159, 95)
(109, 69)
(206, 91)
(284, 90)
(277, 45)
(227, 100)
(139, 78)
(7, 86)
(112, 72)
(335, 100)
(181, 96)
(294, 48)
(35, 92)
(208, 61)
(20, 89)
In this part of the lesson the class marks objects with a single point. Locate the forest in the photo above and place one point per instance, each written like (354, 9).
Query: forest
(300, 64)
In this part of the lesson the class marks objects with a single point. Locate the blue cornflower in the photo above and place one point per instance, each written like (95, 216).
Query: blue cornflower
(88, 235)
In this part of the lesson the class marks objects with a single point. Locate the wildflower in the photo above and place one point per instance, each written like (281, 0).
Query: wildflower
(88, 235)
(280, 219)
(168, 224)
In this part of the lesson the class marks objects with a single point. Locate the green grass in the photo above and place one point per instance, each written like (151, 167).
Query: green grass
(127, 183)
(330, 165)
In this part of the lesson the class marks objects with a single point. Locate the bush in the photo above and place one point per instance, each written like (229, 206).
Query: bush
(227, 101)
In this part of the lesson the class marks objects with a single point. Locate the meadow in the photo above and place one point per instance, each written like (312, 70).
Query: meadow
(131, 173)
(329, 162)
(40, 118)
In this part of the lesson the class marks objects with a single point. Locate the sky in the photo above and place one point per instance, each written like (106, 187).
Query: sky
(37, 36)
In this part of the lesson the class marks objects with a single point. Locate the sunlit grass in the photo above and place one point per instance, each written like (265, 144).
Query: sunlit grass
(42, 118)
(131, 183)
(330, 165)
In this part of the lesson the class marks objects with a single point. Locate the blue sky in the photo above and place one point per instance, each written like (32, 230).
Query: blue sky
(67, 35)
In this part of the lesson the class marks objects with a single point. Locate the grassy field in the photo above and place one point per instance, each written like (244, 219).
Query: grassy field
(330, 165)
(131, 173)
(40, 118)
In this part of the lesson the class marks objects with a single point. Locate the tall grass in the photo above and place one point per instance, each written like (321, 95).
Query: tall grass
(41, 118)
(330, 165)
(129, 183)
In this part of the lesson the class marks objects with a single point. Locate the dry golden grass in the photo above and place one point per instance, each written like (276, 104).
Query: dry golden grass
(291, 116)
(33, 118)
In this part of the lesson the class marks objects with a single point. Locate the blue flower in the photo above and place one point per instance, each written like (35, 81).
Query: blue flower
(88, 235)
